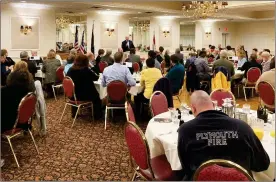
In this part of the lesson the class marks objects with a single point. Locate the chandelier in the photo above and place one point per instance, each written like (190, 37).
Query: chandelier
(203, 9)
(63, 22)
(142, 26)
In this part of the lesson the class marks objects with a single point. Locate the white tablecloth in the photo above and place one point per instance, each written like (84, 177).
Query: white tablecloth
(133, 90)
(162, 139)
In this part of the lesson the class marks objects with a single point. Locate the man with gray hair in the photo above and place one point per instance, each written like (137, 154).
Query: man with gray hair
(223, 61)
(214, 135)
(31, 64)
(266, 61)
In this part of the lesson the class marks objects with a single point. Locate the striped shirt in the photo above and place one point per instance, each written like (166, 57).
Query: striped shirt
(266, 66)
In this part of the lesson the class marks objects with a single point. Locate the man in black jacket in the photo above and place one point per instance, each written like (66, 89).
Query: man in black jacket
(214, 135)
(31, 64)
(127, 44)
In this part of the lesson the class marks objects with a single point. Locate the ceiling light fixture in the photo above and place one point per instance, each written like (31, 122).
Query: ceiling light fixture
(22, 1)
(203, 9)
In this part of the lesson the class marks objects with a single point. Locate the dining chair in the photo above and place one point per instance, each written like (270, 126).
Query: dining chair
(267, 95)
(220, 94)
(136, 67)
(158, 103)
(116, 97)
(253, 74)
(129, 113)
(23, 122)
(71, 99)
(157, 168)
(60, 76)
(102, 66)
(221, 170)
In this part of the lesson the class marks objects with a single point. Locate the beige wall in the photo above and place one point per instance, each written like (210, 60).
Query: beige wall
(157, 24)
(47, 36)
(121, 25)
(251, 34)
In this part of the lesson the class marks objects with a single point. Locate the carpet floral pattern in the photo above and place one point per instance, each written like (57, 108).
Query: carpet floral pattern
(84, 152)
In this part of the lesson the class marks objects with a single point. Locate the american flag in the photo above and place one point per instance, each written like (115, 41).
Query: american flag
(82, 46)
(76, 45)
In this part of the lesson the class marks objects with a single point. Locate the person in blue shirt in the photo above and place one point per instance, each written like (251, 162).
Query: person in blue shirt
(242, 59)
(176, 74)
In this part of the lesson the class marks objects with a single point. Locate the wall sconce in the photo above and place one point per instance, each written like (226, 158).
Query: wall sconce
(207, 34)
(110, 31)
(25, 29)
(166, 33)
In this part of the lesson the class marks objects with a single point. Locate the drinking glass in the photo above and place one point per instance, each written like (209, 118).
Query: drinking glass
(215, 102)
(246, 108)
(258, 128)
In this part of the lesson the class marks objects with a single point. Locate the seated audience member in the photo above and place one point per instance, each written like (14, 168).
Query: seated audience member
(133, 57)
(120, 49)
(19, 84)
(202, 67)
(167, 59)
(50, 67)
(190, 60)
(267, 50)
(176, 74)
(31, 64)
(266, 61)
(189, 48)
(255, 51)
(212, 50)
(161, 50)
(91, 59)
(214, 135)
(268, 76)
(180, 56)
(225, 63)
(230, 51)
(85, 90)
(9, 62)
(70, 60)
(242, 59)
(35, 58)
(107, 58)
(148, 79)
(117, 71)
(250, 64)
(159, 58)
(152, 54)
(5, 70)
(98, 59)
(69, 63)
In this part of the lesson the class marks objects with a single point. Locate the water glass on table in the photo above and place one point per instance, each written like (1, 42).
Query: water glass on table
(246, 108)
(258, 128)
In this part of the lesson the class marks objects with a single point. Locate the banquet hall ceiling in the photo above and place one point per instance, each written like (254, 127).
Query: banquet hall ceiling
(236, 10)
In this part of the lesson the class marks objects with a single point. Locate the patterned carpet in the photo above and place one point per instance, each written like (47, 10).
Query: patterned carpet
(84, 152)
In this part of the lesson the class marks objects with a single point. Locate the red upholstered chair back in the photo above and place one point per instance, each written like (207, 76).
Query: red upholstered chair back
(253, 74)
(60, 74)
(136, 67)
(158, 103)
(69, 87)
(102, 65)
(137, 145)
(116, 92)
(266, 93)
(129, 113)
(221, 94)
(221, 170)
(26, 108)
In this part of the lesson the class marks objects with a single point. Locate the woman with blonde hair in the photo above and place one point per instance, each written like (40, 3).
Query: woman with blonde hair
(242, 58)
(50, 67)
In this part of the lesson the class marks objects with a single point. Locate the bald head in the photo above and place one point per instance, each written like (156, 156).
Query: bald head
(90, 56)
(200, 101)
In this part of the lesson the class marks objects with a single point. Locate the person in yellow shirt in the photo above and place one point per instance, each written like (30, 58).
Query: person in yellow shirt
(148, 79)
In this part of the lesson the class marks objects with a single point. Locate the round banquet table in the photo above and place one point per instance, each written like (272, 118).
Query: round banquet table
(133, 90)
(162, 139)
